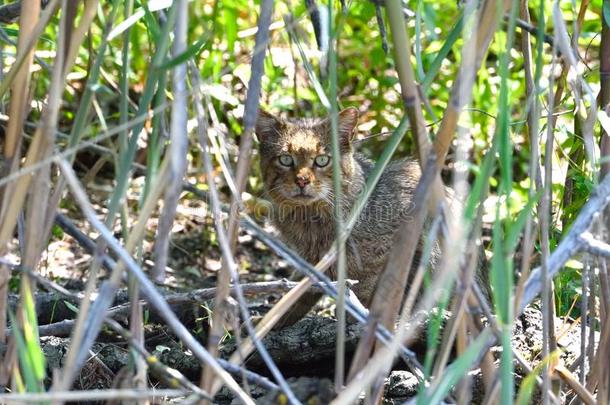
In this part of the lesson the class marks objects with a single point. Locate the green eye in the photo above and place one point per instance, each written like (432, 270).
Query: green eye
(286, 160)
(321, 160)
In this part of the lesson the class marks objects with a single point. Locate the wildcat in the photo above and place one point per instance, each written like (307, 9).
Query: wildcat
(296, 166)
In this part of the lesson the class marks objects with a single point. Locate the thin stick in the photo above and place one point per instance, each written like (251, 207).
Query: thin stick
(548, 312)
(341, 266)
(178, 148)
(243, 168)
(91, 395)
(188, 297)
(146, 286)
(227, 255)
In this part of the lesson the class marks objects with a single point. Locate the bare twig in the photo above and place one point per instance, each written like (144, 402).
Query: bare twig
(147, 287)
(548, 306)
(178, 148)
(228, 258)
(594, 246)
(243, 166)
(579, 389)
(91, 395)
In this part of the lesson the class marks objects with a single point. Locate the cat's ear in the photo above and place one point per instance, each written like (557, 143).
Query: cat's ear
(347, 121)
(268, 126)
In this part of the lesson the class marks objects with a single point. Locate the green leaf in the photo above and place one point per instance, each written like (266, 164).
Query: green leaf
(230, 17)
(30, 332)
(457, 370)
(191, 51)
(71, 307)
(22, 354)
(524, 397)
(57, 231)
(514, 230)
(455, 33)
(126, 24)
(152, 24)
(11, 32)
(31, 358)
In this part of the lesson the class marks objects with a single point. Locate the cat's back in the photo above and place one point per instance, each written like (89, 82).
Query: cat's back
(392, 198)
(388, 206)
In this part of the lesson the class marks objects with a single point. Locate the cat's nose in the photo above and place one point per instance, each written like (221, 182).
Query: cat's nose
(302, 181)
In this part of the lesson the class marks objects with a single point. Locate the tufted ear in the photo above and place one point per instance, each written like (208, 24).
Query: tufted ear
(347, 121)
(268, 126)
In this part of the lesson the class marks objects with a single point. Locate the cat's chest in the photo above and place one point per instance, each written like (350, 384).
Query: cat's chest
(310, 236)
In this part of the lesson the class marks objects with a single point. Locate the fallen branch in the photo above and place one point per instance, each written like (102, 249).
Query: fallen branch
(154, 363)
(91, 395)
(54, 305)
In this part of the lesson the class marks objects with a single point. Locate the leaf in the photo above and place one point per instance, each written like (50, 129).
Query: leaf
(156, 5)
(603, 118)
(453, 36)
(152, 24)
(125, 24)
(57, 231)
(191, 51)
(514, 230)
(528, 384)
(71, 307)
(30, 332)
(457, 370)
(230, 19)
(29, 359)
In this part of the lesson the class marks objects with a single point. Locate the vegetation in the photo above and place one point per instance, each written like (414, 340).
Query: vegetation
(121, 116)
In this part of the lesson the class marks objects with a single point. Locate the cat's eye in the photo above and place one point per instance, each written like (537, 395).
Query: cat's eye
(321, 160)
(286, 160)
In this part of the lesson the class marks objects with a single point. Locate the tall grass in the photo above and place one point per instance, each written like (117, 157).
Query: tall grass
(462, 86)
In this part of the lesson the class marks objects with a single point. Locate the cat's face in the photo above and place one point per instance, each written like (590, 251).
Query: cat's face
(296, 157)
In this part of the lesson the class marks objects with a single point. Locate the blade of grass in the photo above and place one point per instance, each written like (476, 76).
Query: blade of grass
(127, 156)
(19, 90)
(38, 28)
(341, 264)
(502, 269)
(178, 148)
(243, 167)
(31, 358)
(78, 125)
(438, 391)
(223, 240)
(461, 89)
